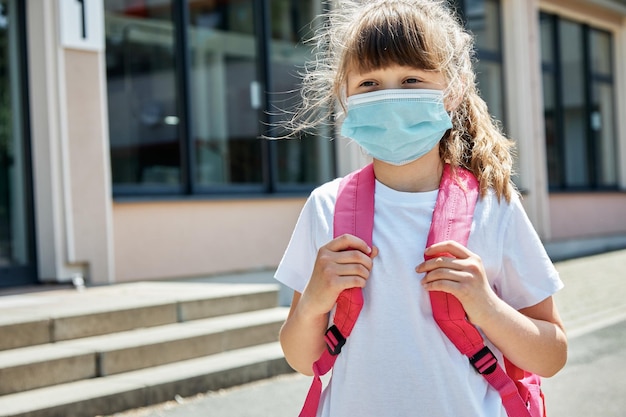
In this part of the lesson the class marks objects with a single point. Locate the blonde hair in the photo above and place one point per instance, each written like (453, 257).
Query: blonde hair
(365, 35)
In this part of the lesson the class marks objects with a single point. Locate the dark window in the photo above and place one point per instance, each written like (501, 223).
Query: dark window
(579, 105)
(190, 84)
(17, 253)
(306, 159)
(145, 139)
(483, 19)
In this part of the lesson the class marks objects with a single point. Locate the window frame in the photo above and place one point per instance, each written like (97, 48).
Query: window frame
(489, 56)
(590, 77)
(189, 188)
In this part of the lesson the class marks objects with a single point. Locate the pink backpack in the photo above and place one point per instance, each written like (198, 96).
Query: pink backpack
(354, 214)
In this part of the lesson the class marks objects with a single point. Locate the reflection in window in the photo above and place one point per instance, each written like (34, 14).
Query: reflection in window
(550, 86)
(482, 19)
(307, 159)
(142, 96)
(489, 78)
(225, 120)
(14, 206)
(187, 107)
(602, 108)
(578, 104)
(573, 104)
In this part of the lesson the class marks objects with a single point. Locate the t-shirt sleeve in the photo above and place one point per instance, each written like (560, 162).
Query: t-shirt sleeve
(528, 276)
(313, 230)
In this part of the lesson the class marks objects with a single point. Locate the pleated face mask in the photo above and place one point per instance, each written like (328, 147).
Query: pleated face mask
(397, 126)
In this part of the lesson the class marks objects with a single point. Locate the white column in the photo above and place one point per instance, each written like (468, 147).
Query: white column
(69, 136)
(525, 105)
(48, 151)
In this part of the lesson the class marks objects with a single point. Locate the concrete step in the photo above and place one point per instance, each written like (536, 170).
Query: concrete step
(53, 316)
(107, 349)
(62, 362)
(111, 394)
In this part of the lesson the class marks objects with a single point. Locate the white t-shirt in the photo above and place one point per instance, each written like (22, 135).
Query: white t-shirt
(397, 362)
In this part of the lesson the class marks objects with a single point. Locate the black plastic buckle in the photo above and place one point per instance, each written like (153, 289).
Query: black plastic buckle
(334, 340)
(484, 361)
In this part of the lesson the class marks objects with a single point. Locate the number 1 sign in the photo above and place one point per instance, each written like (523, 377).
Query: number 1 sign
(81, 24)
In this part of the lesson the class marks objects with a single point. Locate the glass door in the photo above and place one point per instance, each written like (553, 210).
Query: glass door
(310, 158)
(143, 96)
(16, 226)
(225, 94)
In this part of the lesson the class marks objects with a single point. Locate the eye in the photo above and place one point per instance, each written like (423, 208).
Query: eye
(368, 84)
(412, 81)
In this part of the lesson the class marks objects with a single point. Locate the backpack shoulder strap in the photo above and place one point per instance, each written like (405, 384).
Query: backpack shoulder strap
(354, 207)
(452, 220)
(354, 214)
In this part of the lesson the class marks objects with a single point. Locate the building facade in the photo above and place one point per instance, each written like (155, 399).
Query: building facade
(130, 130)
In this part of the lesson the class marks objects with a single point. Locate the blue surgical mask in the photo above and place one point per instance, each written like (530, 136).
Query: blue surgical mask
(396, 126)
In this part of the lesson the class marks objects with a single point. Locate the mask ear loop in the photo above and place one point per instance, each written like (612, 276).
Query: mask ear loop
(343, 98)
(341, 106)
(340, 114)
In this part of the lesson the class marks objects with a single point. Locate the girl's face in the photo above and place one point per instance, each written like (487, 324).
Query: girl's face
(394, 77)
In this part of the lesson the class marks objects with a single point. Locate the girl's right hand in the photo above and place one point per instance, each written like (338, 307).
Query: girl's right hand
(344, 262)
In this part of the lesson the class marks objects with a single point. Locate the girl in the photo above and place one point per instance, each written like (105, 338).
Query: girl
(402, 72)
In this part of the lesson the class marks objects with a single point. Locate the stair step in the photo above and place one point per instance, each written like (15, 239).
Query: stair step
(39, 318)
(144, 387)
(65, 353)
(62, 362)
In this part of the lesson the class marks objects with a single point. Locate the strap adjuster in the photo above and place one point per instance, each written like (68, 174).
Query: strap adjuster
(484, 361)
(334, 340)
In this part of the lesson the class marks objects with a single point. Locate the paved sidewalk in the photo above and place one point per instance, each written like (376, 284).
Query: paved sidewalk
(595, 292)
(592, 307)
(592, 383)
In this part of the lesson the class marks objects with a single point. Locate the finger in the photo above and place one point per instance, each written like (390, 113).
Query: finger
(439, 262)
(352, 281)
(346, 270)
(450, 247)
(347, 241)
(444, 285)
(353, 256)
(445, 274)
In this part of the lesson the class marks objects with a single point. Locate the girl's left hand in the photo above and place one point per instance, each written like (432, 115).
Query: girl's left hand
(456, 270)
